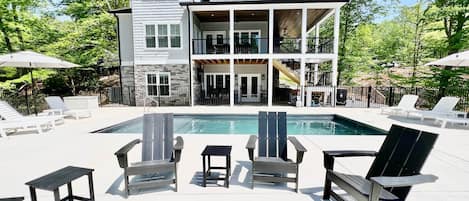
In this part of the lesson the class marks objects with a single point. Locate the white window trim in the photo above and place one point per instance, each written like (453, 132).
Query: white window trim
(214, 80)
(157, 83)
(168, 26)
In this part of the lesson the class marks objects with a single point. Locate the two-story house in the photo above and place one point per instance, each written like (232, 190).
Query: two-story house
(226, 51)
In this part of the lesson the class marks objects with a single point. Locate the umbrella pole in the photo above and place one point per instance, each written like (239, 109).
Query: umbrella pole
(32, 91)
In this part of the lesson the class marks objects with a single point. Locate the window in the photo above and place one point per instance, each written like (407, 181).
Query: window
(150, 36)
(175, 35)
(162, 35)
(158, 84)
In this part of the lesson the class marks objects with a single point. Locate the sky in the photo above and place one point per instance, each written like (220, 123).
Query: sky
(390, 15)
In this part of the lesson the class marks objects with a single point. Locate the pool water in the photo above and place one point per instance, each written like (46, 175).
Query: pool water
(247, 124)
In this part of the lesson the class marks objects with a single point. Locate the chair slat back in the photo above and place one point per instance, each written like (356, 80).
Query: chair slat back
(446, 104)
(408, 101)
(272, 134)
(55, 102)
(157, 140)
(262, 135)
(403, 153)
(7, 112)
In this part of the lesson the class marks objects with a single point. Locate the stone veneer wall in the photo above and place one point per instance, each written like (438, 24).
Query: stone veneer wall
(180, 84)
(128, 82)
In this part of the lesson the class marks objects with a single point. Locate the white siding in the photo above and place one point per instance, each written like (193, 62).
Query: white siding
(126, 39)
(155, 12)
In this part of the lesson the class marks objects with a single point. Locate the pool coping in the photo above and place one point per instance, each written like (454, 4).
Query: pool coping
(342, 117)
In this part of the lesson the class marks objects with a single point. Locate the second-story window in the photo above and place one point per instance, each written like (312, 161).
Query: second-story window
(150, 36)
(175, 35)
(163, 36)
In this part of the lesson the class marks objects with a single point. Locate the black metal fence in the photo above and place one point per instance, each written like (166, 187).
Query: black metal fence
(211, 46)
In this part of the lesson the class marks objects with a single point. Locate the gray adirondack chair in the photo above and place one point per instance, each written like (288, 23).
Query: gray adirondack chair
(394, 171)
(272, 164)
(159, 156)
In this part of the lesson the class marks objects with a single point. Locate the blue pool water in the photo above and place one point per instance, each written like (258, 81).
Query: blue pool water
(247, 124)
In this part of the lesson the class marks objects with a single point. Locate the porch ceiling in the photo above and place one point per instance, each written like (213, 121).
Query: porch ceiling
(288, 22)
(227, 61)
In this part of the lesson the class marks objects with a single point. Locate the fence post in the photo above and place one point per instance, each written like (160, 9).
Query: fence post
(369, 97)
(391, 96)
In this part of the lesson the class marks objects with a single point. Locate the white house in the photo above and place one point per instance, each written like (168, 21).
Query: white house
(226, 51)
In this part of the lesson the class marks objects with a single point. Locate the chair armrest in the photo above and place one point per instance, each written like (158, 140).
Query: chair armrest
(12, 199)
(122, 153)
(330, 155)
(300, 149)
(403, 181)
(251, 145)
(178, 148)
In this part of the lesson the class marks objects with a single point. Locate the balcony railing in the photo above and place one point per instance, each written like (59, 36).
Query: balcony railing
(287, 45)
(325, 45)
(214, 46)
(253, 46)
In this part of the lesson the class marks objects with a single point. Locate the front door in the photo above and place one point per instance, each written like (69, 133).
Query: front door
(249, 87)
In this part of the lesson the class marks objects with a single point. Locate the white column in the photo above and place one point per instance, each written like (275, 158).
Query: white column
(304, 21)
(232, 76)
(302, 81)
(316, 42)
(271, 30)
(336, 53)
(191, 63)
(270, 68)
(336, 47)
(270, 82)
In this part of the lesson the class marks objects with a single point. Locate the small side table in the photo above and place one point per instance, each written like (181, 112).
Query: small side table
(212, 150)
(52, 182)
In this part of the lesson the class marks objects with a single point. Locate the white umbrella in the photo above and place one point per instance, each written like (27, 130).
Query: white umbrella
(32, 60)
(458, 59)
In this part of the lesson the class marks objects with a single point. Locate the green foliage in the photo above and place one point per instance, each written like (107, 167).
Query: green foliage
(41, 74)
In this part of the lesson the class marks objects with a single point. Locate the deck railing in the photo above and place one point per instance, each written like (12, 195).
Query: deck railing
(325, 45)
(214, 46)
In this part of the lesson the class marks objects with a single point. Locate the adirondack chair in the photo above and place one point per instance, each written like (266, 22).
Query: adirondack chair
(159, 156)
(394, 171)
(272, 164)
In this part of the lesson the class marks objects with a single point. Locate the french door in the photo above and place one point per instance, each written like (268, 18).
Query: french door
(249, 87)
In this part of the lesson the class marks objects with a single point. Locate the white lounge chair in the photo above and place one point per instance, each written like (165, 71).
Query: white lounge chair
(36, 124)
(406, 104)
(12, 119)
(443, 109)
(57, 105)
(452, 120)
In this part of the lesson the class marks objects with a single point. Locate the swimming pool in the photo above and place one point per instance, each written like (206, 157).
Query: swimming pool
(247, 124)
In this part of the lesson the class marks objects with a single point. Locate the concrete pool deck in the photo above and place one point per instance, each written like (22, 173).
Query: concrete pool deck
(26, 156)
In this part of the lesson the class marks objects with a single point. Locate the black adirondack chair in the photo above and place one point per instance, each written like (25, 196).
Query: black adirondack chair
(159, 155)
(394, 171)
(272, 164)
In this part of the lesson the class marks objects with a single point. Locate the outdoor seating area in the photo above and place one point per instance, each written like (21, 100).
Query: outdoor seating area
(168, 164)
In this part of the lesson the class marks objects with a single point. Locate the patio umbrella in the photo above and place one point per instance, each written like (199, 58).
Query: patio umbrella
(458, 60)
(33, 60)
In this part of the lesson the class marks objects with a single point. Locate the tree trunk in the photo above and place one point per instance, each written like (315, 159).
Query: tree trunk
(4, 31)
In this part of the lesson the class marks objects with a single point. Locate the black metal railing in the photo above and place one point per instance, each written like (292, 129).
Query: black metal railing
(287, 45)
(213, 46)
(324, 45)
(252, 46)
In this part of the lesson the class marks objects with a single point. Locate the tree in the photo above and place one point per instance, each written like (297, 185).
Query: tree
(453, 14)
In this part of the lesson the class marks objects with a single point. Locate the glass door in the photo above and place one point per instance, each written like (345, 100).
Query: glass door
(249, 87)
